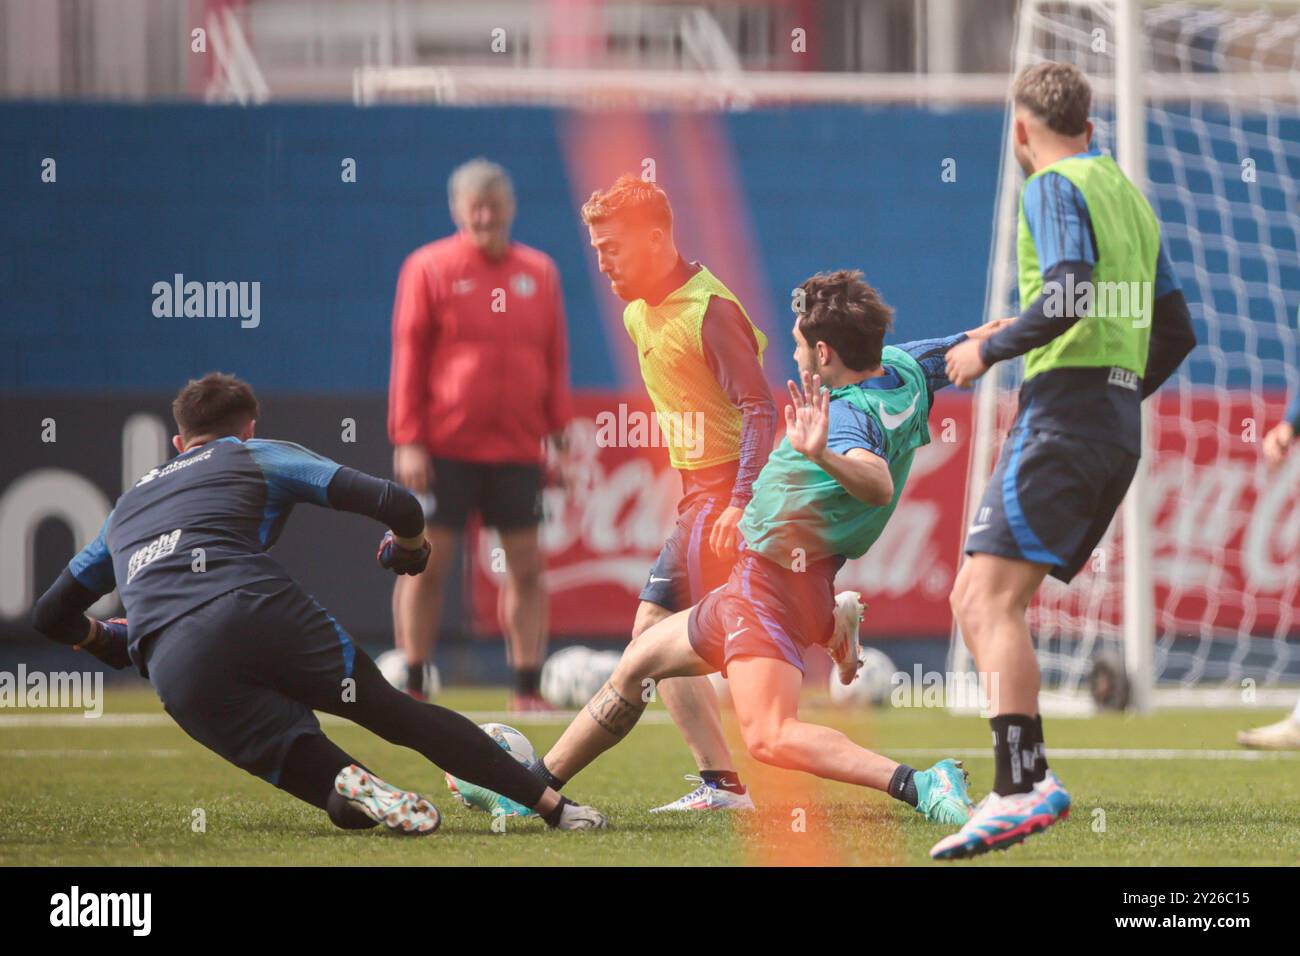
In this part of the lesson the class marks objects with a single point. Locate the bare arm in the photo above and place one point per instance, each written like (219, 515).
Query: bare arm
(865, 476)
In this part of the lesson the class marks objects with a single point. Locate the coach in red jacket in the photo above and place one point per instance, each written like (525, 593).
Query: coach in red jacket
(479, 381)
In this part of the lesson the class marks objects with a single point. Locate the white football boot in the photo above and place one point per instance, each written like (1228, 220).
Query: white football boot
(843, 647)
(706, 797)
(401, 811)
(574, 816)
(1284, 735)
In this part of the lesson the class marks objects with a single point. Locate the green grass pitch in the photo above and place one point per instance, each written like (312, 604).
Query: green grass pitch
(1169, 789)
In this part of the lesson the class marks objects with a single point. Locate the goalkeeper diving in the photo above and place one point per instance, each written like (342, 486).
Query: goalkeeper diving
(238, 653)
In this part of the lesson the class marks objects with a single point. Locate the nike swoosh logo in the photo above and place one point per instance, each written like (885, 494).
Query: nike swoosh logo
(655, 580)
(976, 528)
(734, 633)
(893, 421)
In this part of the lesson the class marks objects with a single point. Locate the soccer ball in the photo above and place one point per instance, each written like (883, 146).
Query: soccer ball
(871, 686)
(572, 676)
(392, 664)
(480, 798)
(512, 742)
(560, 674)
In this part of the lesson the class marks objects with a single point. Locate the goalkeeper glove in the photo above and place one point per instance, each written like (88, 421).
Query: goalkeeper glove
(401, 560)
(108, 642)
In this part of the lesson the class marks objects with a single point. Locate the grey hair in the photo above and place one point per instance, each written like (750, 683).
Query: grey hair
(476, 177)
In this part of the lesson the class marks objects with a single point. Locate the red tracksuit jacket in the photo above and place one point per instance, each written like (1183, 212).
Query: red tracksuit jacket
(470, 382)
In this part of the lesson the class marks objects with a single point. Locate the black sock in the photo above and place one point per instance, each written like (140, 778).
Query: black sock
(1013, 753)
(308, 771)
(1040, 751)
(444, 737)
(528, 680)
(551, 780)
(723, 780)
(415, 677)
(553, 817)
(902, 786)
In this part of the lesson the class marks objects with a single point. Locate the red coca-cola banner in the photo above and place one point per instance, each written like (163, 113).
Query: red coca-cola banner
(1226, 530)
(1226, 536)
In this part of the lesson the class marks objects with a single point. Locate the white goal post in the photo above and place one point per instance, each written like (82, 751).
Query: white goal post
(1199, 102)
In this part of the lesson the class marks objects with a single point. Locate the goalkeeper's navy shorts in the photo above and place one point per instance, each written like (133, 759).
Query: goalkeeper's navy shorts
(765, 610)
(1050, 499)
(242, 673)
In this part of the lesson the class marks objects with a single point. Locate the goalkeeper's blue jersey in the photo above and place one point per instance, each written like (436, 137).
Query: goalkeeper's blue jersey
(199, 526)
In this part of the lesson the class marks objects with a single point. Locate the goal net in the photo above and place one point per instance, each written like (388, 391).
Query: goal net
(1195, 592)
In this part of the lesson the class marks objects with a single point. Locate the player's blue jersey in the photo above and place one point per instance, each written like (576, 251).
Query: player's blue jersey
(200, 526)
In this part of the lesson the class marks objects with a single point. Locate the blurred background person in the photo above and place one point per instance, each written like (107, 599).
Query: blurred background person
(1278, 443)
(479, 383)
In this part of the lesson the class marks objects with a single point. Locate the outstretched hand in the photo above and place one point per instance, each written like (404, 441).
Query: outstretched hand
(807, 421)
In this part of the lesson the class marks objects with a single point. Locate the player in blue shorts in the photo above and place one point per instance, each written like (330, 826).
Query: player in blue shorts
(1104, 324)
(238, 653)
(824, 496)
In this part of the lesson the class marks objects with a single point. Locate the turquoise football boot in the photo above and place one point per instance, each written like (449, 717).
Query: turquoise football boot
(481, 798)
(941, 793)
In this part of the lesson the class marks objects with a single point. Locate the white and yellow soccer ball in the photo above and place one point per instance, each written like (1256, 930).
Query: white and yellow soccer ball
(512, 742)
(471, 795)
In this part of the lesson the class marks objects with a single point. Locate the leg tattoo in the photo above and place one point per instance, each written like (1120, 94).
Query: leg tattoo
(614, 713)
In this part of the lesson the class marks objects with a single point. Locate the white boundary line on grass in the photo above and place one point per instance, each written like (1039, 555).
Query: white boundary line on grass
(62, 754)
(1065, 753)
(1111, 753)
(654, 717)
(78, 719)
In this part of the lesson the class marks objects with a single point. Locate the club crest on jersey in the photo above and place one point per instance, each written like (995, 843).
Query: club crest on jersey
(160, 547)
(521, 283)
